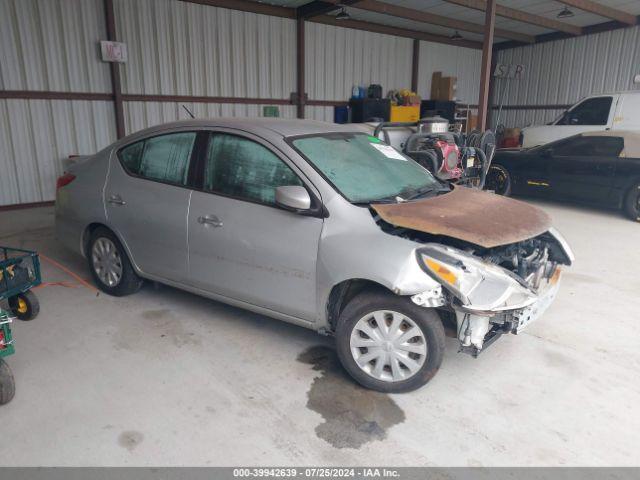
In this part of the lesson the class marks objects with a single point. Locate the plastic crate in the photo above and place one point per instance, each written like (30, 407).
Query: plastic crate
(6, 339)
(19, 271)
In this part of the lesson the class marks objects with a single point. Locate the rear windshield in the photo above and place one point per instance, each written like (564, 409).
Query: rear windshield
(362, 168)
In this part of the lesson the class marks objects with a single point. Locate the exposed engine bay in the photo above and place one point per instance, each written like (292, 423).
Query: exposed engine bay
(487, 291)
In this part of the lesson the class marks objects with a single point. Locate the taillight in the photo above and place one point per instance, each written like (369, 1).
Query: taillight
(3, 343)
(64, 180)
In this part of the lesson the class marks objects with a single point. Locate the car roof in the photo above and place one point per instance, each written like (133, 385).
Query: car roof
(281, 126)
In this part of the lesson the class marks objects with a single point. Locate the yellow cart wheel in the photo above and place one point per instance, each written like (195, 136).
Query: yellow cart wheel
(25, 306)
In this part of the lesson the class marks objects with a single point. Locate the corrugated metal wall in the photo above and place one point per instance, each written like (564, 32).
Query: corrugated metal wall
(338, 58)
(139, 115)
(49, 45)
(52, 45)
(179, 48)
(463, 63)
(562, 72)
(37, 135)
(175, 48)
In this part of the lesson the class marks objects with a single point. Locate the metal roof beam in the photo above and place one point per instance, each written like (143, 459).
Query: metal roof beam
(319, 7)
(399, 32)
(520, 16)
(433, 19)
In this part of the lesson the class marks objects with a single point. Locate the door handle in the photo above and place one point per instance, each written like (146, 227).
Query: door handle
(116, 200)
(210, 220)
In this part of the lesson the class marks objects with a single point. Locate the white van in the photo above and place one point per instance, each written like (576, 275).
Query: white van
(608, 111)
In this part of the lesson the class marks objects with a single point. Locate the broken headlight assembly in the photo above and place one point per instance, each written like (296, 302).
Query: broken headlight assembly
(479, 286)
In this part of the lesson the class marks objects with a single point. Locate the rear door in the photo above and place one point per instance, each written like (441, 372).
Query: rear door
(243, 246)
(583, 167)
(147, 199)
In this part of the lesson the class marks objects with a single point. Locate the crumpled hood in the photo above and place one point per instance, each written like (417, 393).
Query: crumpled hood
(481, 218)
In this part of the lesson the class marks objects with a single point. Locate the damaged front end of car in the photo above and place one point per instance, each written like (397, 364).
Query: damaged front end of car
(496, 290)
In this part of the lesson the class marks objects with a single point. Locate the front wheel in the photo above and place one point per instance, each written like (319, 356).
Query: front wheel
(25, 306)
(389, 344)
(498, 180)
(632, 203)
(7, 383)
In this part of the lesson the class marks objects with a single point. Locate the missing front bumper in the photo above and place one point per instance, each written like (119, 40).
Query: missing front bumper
(476, 331)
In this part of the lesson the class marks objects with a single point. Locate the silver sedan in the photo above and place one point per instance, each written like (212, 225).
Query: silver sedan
(320, 225)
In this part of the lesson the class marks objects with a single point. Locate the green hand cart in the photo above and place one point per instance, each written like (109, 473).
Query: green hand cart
(19, 273)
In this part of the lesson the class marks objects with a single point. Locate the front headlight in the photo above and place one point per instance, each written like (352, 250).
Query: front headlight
(479, 285)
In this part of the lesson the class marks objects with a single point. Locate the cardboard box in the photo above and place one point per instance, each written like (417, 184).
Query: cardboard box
(435, 85)
(472, 122)
(443, 88)
(448, 87)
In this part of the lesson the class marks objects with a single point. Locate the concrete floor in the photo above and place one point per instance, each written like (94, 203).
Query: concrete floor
(167, 378)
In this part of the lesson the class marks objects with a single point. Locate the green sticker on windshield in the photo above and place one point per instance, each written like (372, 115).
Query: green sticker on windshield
(373, 139)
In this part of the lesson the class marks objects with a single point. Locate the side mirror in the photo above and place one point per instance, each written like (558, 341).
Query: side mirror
(293, 198)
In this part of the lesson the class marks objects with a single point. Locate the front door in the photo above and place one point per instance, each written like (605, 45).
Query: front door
(583, 167)
(241, 245)
(147, 200)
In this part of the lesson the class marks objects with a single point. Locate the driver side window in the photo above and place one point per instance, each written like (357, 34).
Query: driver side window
(244, 169)
(593, 111)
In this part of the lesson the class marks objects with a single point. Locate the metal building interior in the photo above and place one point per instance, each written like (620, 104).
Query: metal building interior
(170, 378)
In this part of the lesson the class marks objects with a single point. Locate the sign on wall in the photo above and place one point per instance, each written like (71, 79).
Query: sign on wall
(504, 70)
(113, 51)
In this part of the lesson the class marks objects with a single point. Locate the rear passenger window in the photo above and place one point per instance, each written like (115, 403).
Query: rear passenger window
(130, 157)
(164, 158)
(591, 146)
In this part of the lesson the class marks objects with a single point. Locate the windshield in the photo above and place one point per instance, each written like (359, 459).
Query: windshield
(363, 169)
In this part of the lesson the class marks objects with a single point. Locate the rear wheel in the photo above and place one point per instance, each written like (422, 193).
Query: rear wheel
(498, 180)
(7, 383)
(110, 266)
(632, 203)
(25, 305)
(389, 344)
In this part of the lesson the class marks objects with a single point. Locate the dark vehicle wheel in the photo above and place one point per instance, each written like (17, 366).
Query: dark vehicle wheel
(389, 344)
(25, 305)
(110, 266)
(7, 383)
(498, 180)
(632, 203)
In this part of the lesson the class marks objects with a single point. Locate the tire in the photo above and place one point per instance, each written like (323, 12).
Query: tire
(361, 309)
(7, 383)
(632, 203)
(25, 306)
(498, 179)
(99, 256)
